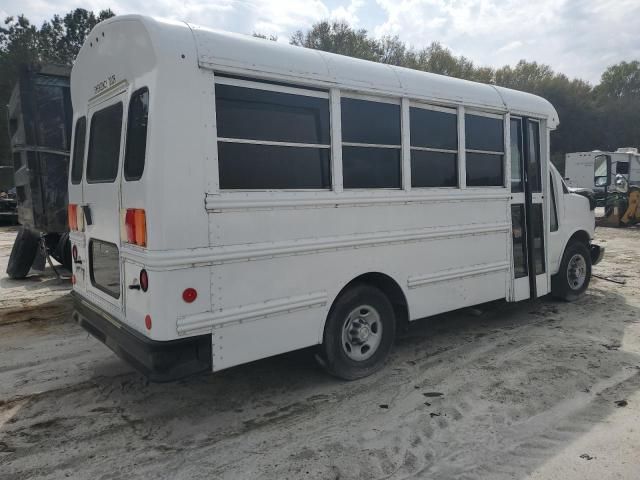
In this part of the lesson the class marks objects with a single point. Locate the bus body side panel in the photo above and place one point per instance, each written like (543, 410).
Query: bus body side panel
(276, 272)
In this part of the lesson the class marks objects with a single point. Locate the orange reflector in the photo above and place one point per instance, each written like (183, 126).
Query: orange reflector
(140, 223)
(135, 224)
(72, 216)
(147, 322)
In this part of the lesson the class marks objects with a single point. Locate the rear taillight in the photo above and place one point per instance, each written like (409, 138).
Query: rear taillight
(135, 225)
(75, 218)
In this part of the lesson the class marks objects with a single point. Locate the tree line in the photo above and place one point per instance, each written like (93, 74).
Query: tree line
(603, 116)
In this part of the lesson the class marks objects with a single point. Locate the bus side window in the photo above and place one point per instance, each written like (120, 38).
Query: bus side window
(434, 147)
(270, 139)
(484, 140)
(370, 144)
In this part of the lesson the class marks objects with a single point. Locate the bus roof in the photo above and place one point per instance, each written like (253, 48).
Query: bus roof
(250, 56)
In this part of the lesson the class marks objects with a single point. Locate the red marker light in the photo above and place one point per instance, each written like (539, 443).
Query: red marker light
(147, 322)
(189, 295)
(73, 279)
(144, 280)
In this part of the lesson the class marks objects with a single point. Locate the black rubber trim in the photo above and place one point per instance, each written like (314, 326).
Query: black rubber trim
(597, 252)
(159, 361)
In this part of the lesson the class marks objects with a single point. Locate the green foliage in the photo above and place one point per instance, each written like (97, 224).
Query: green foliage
(621, 81)
(339, 37)
(605, 117)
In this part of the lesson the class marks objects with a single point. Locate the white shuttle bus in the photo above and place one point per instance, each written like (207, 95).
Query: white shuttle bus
(233, 198)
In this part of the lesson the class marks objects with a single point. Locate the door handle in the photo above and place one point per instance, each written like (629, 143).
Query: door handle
(86, 210)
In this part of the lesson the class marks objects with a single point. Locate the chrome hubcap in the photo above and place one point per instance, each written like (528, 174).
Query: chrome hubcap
(361, 333)
(576, 271)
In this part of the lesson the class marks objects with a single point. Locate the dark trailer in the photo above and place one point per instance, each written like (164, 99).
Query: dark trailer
(40, 115)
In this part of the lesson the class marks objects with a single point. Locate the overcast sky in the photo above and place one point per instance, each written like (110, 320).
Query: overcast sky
(578, 37)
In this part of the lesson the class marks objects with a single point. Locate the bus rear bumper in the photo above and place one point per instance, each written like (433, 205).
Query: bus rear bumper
(159, 361)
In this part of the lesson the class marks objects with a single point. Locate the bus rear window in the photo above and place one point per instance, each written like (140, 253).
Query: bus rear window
(78, 150)
(104, 267)
(104, 144)
(136, 134)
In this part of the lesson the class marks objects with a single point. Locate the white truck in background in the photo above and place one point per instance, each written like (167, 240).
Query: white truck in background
(580, 171)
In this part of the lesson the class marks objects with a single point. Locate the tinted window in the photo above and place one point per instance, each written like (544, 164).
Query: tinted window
(519, 239)
(105, 267)
(553, 224)
(433, 129)
(516, 155)
(370, 122)
(254, 114)
(251, 166)
(534, 157)
(136, 134)
(538, 240)
(78, 150)
(484, 133)
(484, 169)
(433, 169)
(622, 168)
(367, 167)
(104, 144)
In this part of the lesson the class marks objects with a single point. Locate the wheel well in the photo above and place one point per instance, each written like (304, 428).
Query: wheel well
(390, 288)
(580, 236)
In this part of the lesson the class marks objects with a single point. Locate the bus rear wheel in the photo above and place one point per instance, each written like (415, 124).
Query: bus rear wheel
(359, 333)
(574, 275)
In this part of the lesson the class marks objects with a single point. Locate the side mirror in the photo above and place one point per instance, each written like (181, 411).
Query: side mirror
(602, 171)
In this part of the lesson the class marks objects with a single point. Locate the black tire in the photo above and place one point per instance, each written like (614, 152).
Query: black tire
(61, 252)
(563, 284)
(23, 253)
(334, 356)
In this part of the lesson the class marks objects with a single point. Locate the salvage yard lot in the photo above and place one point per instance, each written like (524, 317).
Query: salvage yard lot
(523, 390)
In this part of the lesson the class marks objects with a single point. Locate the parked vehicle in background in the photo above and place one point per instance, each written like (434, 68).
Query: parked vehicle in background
(40, 116)
(614, 178)
(324, 200)
(580, 169)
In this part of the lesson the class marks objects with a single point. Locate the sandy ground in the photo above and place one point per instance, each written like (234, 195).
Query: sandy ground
(524, 391)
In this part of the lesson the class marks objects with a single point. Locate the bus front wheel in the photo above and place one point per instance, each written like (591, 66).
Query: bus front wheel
(359, 333)
(574, 275)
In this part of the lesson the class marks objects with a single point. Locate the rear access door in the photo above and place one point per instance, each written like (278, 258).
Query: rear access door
(101, 201)
(527, 209)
